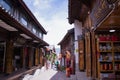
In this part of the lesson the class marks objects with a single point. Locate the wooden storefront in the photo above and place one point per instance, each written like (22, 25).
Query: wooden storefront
(98, 17)
(105, 17)
(67, 44)
(21, 37)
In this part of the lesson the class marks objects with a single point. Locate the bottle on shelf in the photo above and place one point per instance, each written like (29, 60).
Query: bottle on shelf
(108, 37)
(105, 66)
(119, 56)
(108, 47)
(104, 48)
(101, 48)
(101, 67)
(116, 66)
(119, 66)
(115, 57)
(110, 66)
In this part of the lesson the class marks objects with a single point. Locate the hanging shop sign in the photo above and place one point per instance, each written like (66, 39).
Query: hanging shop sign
(20, 40)
(100, 11)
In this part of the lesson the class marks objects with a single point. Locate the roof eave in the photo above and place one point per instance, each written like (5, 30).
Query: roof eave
(67, 34)
(33, 17)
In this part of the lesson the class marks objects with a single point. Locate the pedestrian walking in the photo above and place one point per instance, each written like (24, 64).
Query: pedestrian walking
(57, 65)
(73, 64)
(68, 63)
(60, 58)
(53, 58)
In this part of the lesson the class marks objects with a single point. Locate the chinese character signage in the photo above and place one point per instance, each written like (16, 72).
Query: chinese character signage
(100, 11)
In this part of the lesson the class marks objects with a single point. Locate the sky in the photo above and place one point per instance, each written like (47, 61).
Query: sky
(53, 16)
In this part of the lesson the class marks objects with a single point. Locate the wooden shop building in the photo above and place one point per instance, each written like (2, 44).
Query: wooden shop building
(67, 44)
(99, 45)
(21, 37)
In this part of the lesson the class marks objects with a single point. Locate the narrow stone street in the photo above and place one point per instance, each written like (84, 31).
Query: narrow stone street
(52, 74)
(77, 76)
(61, 75)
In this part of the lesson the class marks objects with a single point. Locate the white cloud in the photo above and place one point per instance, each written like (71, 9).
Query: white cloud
(36, 3)
(55, 21)
(42, 4)
(57, 27)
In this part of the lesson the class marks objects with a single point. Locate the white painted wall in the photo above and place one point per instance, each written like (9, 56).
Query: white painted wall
(78, 31)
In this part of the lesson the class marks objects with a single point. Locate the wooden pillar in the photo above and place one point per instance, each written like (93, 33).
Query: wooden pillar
(41, 57)
(21, 54)
(23, 57)
(88, 47)
(81, 54)
(36, 56)
(30, 56)
(94, 63)
(88, 53)
(9, 57)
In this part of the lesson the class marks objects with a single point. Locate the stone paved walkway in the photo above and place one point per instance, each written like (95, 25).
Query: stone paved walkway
(61, 76)
(52, 74)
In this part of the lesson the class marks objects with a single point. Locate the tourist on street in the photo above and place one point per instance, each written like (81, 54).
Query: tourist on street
(53, 57)
(68, 63)
(59, 59)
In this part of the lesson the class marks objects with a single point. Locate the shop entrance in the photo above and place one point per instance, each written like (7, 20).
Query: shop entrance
(17, 58)
(108, 46)
(2, 56)
(34, 57)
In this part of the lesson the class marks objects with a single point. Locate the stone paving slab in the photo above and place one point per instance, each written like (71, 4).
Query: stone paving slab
(81, 76)
(52, 74)
(62, 76)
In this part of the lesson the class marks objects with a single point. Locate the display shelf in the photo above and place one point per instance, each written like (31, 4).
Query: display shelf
(117, 61)
(105, 51)
(108, 48)
(106, 71)
(105, 41)
(109, 57)
(117, 70)
(116, 41)
(116, 51)
(105, 61)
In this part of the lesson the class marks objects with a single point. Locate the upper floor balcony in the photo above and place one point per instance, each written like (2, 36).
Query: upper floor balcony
(19, 11)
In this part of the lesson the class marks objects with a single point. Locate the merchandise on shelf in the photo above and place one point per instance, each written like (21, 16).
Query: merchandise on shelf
(108, 47)
(114, 38)
(106, 66)
(108, 37)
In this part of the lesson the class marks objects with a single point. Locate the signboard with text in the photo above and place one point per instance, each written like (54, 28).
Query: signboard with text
(99, 12)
